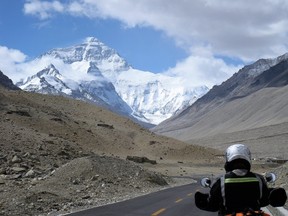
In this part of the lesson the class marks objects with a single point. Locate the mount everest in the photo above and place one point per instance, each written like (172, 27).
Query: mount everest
(95, 73)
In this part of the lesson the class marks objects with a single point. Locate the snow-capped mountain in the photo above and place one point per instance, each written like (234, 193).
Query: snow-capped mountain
(93, 72)
(97, 90)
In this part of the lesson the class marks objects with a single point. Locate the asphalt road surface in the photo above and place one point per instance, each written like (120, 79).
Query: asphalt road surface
(177, 201)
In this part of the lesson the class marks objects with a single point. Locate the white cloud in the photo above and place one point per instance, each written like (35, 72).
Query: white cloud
(43, 9)
(197, 70)
(9, 59)
(14, 65)
(248, 29)
(11, 55)
(242, 29)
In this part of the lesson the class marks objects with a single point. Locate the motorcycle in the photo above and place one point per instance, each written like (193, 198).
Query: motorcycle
(277, 197)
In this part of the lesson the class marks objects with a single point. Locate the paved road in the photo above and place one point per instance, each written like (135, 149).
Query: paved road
(178, 201)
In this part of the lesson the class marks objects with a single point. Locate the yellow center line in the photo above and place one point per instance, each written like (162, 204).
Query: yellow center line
(179, 200)
(190, 194)
(158, 212)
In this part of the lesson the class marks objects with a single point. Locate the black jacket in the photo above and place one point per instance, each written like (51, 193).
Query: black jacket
(233, 193)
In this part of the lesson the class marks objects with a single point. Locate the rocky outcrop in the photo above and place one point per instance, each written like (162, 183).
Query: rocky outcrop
(7, 83)
(140, 159)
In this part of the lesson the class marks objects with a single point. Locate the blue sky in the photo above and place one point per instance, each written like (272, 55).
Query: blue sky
(144, 48)
(203, 40)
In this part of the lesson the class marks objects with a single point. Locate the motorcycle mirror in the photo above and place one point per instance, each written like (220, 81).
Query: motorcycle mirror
(270, 177)
(205, 182)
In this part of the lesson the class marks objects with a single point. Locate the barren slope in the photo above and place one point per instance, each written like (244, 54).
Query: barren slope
(265, 107)
(59, 154)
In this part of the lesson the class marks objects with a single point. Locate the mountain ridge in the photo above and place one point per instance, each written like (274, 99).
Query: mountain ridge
(256, 97)
(243, 83)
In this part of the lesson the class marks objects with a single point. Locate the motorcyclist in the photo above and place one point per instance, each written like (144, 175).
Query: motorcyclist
(239, 190)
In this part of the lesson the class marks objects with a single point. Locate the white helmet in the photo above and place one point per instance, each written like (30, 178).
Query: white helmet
(238, 151)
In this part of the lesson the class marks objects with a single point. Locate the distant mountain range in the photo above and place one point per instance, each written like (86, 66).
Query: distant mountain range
(250, 107)
(255, 97)
(95, 73)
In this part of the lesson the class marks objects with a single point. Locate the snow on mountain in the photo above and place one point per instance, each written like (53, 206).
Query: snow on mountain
(93, 72)
(49, 80)
(264, 64)
(155, 96)
(107, 60)
(96, 89)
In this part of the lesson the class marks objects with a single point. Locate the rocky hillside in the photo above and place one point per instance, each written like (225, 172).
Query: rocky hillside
(58, 154)
(5, 82)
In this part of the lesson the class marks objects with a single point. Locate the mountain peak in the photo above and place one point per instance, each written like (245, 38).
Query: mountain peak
(49, 70)
(90, 40)
(90, 50)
